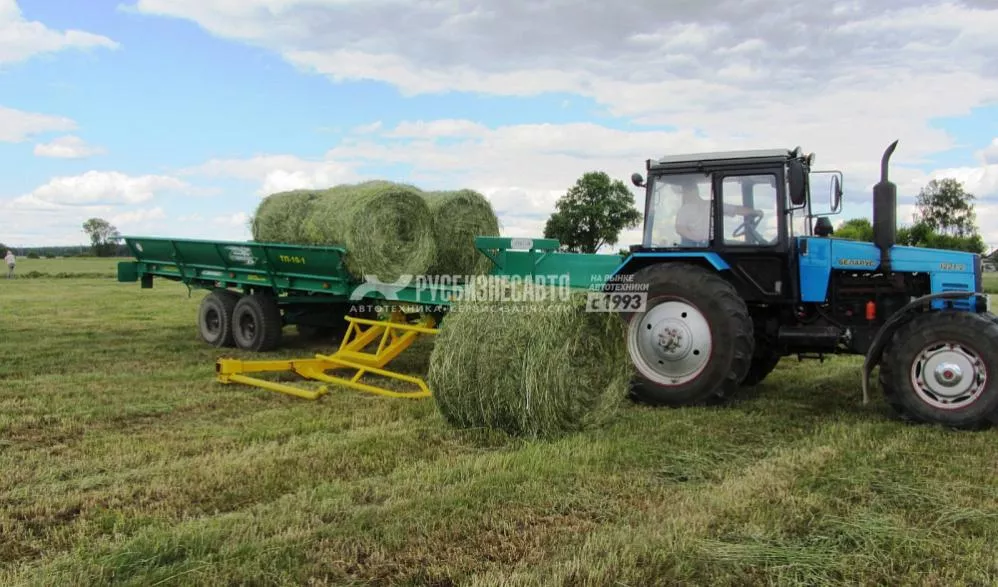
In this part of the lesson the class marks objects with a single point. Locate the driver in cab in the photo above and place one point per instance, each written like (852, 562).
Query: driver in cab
(693, 218)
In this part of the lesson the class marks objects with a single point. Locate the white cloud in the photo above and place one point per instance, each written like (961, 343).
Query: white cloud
(124, 220)
(18, 125)
(21, 39)
(843, 79)
(235, 219)
(67, 147)
(276, 173)
(98, 188)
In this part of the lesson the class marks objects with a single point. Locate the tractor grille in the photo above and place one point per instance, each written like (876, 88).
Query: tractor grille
(964, 304)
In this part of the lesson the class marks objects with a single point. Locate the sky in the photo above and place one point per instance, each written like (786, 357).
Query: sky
(175, 117)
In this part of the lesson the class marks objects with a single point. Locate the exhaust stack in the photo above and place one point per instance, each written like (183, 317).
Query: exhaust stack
(885, 197)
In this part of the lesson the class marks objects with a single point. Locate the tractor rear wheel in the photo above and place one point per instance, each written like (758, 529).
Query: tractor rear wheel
(942, 368)
(762, 365)
(256, 323)
(694, 342)
(215, 317)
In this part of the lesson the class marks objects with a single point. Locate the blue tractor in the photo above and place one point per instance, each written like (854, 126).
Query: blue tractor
(740, 271)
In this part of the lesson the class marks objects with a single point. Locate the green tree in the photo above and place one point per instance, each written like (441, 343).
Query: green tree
(592, 213)
(857, 229)
(102, 236)
(946, 208)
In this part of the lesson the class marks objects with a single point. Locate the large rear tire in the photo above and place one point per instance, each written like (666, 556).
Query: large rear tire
(694, 342)
(762, 365)
(215, 317)
(257, 324)
(942, 368)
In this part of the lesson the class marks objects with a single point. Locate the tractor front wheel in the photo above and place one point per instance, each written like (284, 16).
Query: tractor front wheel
(694, 342)
(942, 368)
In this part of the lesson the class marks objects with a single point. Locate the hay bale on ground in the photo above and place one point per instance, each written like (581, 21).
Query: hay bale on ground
(280, 217)
(385, 227)
(458, 217)
(538, 372)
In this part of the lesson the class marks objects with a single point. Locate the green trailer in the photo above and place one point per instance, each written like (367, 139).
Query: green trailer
(258, 288)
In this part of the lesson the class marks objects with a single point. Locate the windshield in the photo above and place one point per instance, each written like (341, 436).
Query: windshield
(679, 211)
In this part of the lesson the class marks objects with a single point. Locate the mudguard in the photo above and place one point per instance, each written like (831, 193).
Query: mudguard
(875, 353)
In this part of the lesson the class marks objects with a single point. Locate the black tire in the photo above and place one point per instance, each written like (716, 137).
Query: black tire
(256, 323)
(215, 317)
(665, 338)
(976, 339)
(762, 365)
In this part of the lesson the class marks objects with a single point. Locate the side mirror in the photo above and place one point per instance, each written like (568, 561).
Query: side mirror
(638, 180)
(836, 194)
(798, 182)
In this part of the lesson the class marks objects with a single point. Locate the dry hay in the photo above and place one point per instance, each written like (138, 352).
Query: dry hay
(458, 217)
(279, 217)
(535, 369)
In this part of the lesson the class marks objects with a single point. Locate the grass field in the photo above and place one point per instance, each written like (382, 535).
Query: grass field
(123, 461)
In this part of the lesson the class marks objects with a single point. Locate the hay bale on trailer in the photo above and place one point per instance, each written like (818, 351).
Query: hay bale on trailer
(458, 217)
(385, 227)
(280, 216)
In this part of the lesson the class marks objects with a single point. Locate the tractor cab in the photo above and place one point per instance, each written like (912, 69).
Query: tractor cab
(742, 209)
(732, 200)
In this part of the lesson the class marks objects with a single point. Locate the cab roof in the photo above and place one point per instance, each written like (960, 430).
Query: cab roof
(723, 158)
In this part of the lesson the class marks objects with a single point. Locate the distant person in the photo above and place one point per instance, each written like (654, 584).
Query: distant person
(9, 260)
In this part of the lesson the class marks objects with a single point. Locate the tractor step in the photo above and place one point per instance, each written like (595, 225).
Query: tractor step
(809, 339)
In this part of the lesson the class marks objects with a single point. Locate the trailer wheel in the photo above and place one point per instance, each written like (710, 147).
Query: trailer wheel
(215, 317)
(942, 368)
(694, 342)
(762, 365)
(256, 323)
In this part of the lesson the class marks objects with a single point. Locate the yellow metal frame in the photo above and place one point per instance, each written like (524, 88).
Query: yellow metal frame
(393, 336)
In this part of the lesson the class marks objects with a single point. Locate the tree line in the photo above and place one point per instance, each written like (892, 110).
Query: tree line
(944, 218)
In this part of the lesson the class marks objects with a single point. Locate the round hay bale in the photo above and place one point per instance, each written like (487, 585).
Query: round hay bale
(536, 369)
(385, 227)
(280, 216)
(458, 217)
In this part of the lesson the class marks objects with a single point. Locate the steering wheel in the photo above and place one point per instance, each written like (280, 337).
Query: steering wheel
(749, 225)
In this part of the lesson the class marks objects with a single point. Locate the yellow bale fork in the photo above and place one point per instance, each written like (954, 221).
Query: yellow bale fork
(392, 336)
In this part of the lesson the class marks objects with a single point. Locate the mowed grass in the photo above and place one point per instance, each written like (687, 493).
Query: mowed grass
(71, 267)
(123, 461)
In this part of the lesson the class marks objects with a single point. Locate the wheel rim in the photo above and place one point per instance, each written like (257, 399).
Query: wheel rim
(212, 321)
(948, 376)
(247, 326)
(670, 343)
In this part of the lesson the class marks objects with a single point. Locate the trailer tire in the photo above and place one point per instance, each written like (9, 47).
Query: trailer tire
(762, 365)
(939, 357)
(257, 323)
(694, 342)
(215, 317)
